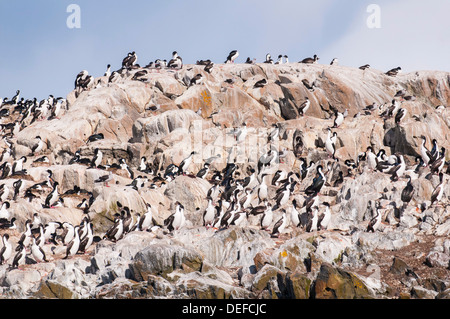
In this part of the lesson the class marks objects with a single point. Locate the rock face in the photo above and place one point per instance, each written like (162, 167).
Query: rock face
(227, 121)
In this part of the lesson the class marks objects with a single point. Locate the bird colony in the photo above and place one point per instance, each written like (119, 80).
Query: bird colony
(270, 169)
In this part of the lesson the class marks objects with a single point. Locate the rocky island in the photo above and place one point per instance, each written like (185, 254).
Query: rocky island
(254, 180)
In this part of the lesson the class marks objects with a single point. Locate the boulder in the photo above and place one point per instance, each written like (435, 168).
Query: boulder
(335, 283)
(161, 259)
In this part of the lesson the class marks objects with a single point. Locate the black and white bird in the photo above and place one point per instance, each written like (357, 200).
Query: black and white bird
(232, 56)
(108, 71)
(438, 164)
(335, 61)
(88, 239)
(95, 137)
(407, 193)
(240, 133)
(399, 169)
(317, 183)
(400, 93)
(313, 221)
(68, 233)
(304, 106)
(4, 192)
(146, 220)
(37, 252)
(52, 197)
(434, 150)
(105, 179)
(275, 133)
(282, 197)
(4, 212)
(177, 220)
(124, 166)
(50, 230)
(280, 225)
(375, 222)
(246, 199)
(143, 166)
(197, 79)
(424, 152)
(438, 192)
(278, 177)
(184, 165)
(268, 59)
(18, 165)
(37, 148)
(394, 72)
(115, 232)
(8, 224)
(171, 171)
(250, 61)
(202, 173)
(400, 115)
(127, 220)
(18, 186)
(295, 215)
(176, 62)
(324, 218)
(208, 67)
(312, 60)
(6, 251)
(97, 158)
(14, 100)
(20, 257)
(260, 84)
(26, 236)
(330, 143)
(114, 77)
(279, 60)
(74, 244)
(364, 67)
(263, 190)
(267, 217)
(339, 118)
(129, 62)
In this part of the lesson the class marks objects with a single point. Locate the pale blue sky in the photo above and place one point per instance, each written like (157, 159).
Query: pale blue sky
(40, 55)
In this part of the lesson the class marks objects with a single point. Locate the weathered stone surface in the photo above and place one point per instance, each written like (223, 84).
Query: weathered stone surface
(334, 283)
(237, 262)
(152, 129)
(163, 259)
(299, 286)
(53, 290)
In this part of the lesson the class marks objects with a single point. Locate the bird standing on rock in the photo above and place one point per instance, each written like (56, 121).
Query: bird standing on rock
(375, 222)
(232, 56)
(304, 106)
(280, 225)
(72, 247)
(177, 219)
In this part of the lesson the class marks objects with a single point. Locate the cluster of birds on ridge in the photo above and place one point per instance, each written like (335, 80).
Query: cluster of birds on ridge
(230, 199)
